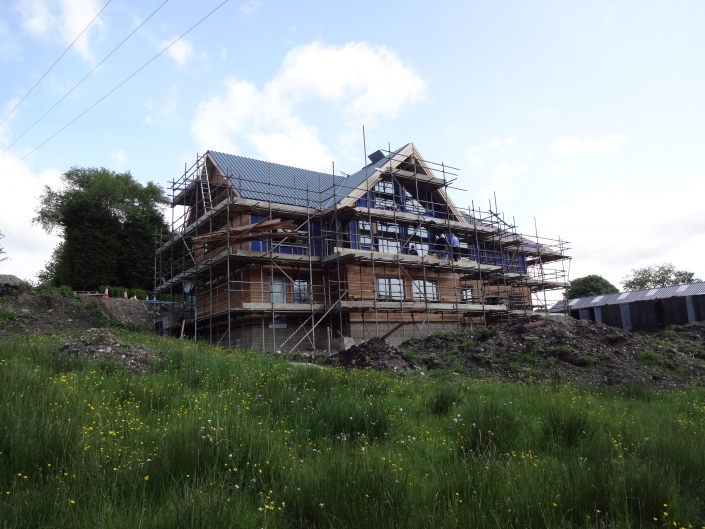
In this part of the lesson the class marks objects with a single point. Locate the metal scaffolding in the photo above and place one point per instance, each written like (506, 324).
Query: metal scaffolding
(277, 266)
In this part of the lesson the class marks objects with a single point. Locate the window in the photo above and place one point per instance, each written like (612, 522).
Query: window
(384, 195)
(418, 238)
(390, 288)
(302, 292)
(598, 298)
(423, 289)
(622, 296)
(277, 289)
(467, 294)
(364, 230)
(682, 288)
(388, 237)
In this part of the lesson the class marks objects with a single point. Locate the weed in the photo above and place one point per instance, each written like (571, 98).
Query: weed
(410, 356)
(528, 358)
(561, 350)
(457, 367)
(6, 316)
(590, 360)
(552, 361)
(468, 343)
(650, 357)
(93, 307)
(443, 400)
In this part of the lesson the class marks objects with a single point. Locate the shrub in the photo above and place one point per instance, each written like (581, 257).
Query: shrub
(590, 360)
(66, 291)
(468, 343)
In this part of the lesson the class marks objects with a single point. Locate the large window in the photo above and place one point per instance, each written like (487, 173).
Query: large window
(467, 295)
(384, 195)
(390, 288)
(302, 292)
(423, 289)
(418, 241)
(388, 237)
(277, 289)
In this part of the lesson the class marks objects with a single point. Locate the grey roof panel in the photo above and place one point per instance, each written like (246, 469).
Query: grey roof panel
(287, 185)
(692, 289)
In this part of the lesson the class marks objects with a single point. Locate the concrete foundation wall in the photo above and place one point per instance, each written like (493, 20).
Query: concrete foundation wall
(273, 339)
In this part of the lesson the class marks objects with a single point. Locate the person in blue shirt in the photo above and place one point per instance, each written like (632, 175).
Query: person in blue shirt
(454, 246)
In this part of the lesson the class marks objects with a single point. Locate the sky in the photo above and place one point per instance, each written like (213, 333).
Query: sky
(584, 119)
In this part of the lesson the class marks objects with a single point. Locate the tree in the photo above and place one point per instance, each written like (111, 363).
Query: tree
(107, 221)
(2, 250)
(657, 276)
(592, 285)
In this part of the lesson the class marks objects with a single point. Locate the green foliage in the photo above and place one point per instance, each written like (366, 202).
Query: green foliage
(410, 356)
(657, 276)
(592, 285)
(119, 292)
(649, 356)
(6, 316)
(229, 438)
(590, 360)
(528, 358)
(561, 349)
(108, 221)
(468, 343)
(46, 289)
(93, 307)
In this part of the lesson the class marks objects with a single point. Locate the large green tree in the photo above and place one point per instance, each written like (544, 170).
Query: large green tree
(657, 276)
(592, 285)
(108, 221)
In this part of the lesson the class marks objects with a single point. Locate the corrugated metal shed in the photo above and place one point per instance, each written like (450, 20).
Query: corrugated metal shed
(287, 185)
(692, 289)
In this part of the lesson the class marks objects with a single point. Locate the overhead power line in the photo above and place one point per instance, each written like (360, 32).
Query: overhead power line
(55, 62)
(119, 85)
(86, 76)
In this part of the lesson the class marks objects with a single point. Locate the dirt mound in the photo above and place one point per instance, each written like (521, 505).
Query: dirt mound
(375, 354)
(36, 313)
(563, 348)
(9, 283)
(127, 311)
(100, 344)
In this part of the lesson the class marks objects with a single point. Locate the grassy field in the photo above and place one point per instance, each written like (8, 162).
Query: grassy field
(217, 438)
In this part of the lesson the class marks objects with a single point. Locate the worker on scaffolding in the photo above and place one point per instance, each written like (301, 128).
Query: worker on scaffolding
(454, 246)
(442, 246)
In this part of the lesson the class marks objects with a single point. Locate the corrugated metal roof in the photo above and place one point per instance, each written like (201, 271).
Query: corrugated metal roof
(287, 185)
(691, 289)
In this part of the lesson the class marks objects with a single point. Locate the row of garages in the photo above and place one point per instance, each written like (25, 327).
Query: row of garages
(641, 310)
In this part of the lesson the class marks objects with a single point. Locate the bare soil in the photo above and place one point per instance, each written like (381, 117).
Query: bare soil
(100, 344)
(54, 314)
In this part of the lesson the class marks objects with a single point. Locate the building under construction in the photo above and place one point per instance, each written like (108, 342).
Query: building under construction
(279, 258)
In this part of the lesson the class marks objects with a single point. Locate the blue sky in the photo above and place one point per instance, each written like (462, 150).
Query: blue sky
(586, 116)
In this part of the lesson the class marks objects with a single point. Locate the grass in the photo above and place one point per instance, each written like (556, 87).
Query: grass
(6, 316)
(222, 438)
(649, 356)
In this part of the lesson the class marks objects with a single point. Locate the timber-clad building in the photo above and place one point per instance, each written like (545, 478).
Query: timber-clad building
(279, 258)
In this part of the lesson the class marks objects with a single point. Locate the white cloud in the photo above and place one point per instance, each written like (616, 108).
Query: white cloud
(363, 82)
(63, 20)
(614, 229)
(503, 179)
(250, 7)
(477, 153)
(27, 246)
(573, 145)
(118, 156)
(162, 112)
(182, 51)
(547, 111)
(611, 13)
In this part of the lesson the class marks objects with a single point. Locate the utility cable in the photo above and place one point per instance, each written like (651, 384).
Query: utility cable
(86, 76)
(119, 85)
(55, 62)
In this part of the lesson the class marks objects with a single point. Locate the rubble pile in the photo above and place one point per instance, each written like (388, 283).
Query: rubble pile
(374, 354)
(100, 344)
(565, 349)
